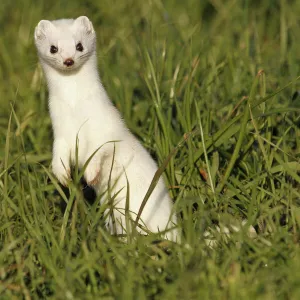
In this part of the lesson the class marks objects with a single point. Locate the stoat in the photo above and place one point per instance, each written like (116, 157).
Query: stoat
(81, 111)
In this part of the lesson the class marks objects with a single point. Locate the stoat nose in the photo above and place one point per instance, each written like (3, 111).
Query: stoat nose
(69, 62)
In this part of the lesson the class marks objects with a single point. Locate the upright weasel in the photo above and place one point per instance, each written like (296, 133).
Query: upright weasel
(79, 106)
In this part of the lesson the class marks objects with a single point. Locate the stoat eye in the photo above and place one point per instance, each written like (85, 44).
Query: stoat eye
(79, 47)
(53, 49)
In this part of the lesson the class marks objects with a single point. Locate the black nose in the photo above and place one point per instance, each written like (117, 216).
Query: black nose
(69, 62)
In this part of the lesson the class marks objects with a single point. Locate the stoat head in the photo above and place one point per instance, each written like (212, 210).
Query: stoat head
(65, 44)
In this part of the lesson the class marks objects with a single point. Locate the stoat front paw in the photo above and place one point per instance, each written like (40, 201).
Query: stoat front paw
(92, 174)
(61, 171)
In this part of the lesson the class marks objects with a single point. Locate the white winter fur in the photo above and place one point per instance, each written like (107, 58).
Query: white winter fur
(80, 106)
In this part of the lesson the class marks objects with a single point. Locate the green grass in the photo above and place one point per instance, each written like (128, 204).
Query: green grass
(218, 79)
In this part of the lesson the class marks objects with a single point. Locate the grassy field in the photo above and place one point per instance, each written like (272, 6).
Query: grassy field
(216, 79)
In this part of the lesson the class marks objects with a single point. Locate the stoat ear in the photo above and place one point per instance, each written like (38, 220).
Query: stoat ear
(84, 22)
(41, 29)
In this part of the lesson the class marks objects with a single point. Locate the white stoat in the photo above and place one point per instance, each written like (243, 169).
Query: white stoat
(80, 106)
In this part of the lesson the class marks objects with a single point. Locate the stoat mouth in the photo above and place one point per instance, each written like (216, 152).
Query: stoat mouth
(67, 68)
